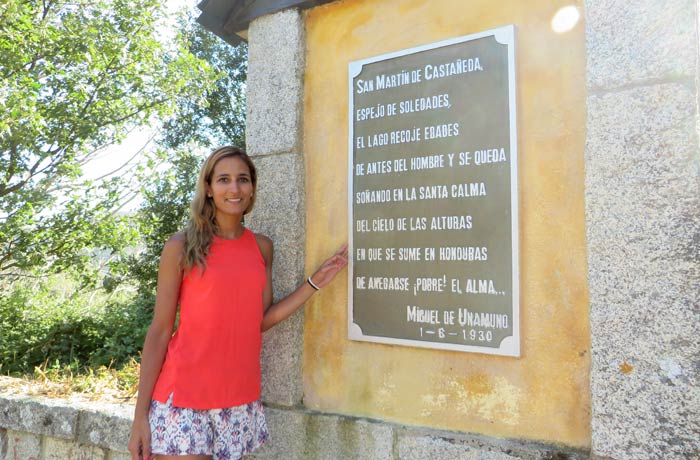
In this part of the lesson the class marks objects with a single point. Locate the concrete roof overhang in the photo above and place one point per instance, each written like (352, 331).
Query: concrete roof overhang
(229, 19)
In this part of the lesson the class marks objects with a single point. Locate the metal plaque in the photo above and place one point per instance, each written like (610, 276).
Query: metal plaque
(433, 196)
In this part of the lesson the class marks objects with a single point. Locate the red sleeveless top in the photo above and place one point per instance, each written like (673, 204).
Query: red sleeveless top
(213, 360)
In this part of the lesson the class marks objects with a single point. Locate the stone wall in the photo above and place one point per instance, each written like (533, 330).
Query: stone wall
(643, 225)
(43, 429)
(642, 191)
(34, 428)
(277, 50)
(541, 395)
(308, 435)
(273, 133)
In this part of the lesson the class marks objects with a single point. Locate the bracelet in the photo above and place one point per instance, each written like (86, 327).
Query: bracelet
(311, 283)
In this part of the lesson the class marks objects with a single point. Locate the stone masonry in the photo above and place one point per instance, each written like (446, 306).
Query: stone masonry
(273, 133)
(33, 428)
(642, 165)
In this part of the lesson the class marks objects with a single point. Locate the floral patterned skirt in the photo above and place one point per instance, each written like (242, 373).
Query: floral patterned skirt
(225, 434)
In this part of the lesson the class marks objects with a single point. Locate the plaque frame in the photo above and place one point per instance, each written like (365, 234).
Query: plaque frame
(509, 346)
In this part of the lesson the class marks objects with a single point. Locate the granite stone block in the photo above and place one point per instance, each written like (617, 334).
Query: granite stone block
(279, 214)
(45, 416)
(447, 446)
(643, 228)
(58, 449)
(281, 362)
(109, 428)
(113, 455)
(631, 42)
(23, 446)
(275, 83)
(331, 437)
(302, 435)
(432, 448)
(3, 443)
(287, 435)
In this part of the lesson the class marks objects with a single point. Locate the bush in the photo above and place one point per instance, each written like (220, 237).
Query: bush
(124, 326)
(48, 321)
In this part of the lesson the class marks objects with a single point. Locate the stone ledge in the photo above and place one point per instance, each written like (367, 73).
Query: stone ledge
(302, 434)
(297, 433)
(412, 444)
(99, 424)
(44, 417)
(105, 429)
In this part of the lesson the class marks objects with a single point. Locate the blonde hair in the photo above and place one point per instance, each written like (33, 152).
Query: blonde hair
(202, 226)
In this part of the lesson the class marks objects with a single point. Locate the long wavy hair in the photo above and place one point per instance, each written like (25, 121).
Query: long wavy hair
(202, 226)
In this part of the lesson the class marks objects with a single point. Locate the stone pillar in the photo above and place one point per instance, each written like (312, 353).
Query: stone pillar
(643, 227)
(274, 140)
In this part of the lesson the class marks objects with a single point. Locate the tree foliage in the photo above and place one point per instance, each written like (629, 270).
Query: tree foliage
(163, 212)
(77, 76)
(48, 320)
(221, 119)
(189, 133)
(73, 77)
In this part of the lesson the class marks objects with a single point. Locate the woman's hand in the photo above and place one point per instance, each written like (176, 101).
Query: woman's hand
(288, 305)
(140, 440)
(331, 267)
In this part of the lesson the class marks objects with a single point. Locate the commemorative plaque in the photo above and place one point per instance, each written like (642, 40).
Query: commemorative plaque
(433, 196)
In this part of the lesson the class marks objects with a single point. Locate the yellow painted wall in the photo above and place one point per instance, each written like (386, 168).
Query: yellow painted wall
(542, 395)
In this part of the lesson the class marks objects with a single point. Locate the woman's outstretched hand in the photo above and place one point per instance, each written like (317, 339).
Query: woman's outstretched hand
(331, 267)
(140, 440)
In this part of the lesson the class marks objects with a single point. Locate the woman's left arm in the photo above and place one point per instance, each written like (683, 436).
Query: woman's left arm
(278, 312)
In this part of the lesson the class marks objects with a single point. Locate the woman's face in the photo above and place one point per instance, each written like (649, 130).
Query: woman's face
(231, 187)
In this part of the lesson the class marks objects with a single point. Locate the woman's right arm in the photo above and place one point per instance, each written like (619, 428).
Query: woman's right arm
(156, 343)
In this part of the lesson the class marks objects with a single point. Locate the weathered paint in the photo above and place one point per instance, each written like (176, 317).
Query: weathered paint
(542, 395)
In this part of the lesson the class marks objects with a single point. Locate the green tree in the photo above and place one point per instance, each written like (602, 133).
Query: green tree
(194, 128)
(74, 77)
(221, 119)
(163, 212)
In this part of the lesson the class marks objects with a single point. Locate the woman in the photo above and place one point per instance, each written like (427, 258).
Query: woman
(199, 389)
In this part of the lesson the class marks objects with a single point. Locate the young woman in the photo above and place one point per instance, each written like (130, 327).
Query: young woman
(199, 389)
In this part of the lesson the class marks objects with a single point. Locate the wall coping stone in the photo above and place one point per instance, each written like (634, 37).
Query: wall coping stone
(105, 425)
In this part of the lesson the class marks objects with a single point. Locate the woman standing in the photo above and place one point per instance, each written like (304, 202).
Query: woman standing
(199, 389)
